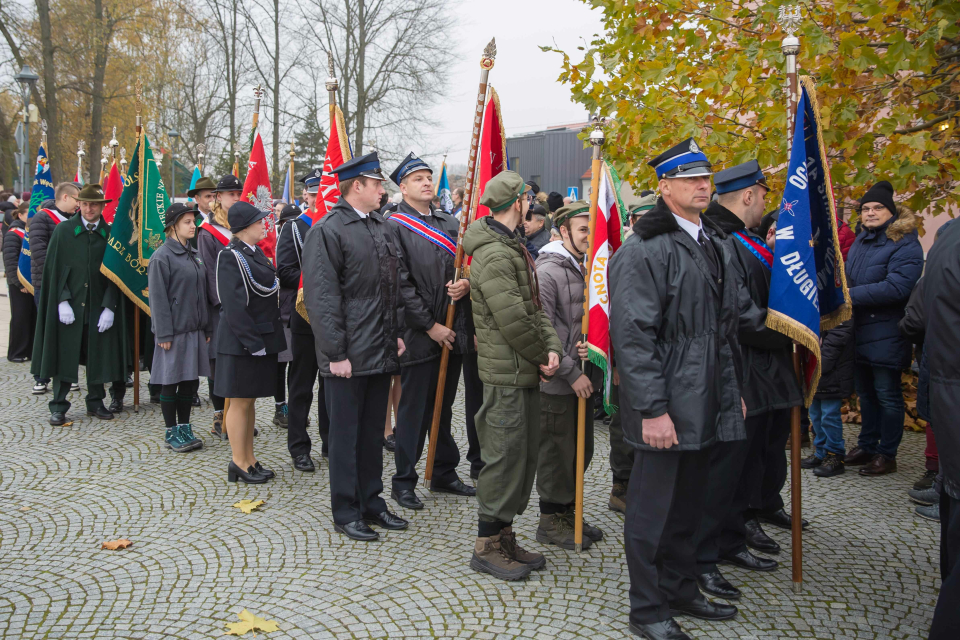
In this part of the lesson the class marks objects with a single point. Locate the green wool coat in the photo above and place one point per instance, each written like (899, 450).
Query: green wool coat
(72, 272)
(514, 336)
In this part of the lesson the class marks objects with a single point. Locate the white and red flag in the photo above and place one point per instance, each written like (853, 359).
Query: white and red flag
(338, 152)
(492, 154)
(256, 191)
(112, 189)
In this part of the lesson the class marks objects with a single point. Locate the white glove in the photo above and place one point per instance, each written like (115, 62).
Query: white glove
(262, 352)
(66, 312)
(106, 320)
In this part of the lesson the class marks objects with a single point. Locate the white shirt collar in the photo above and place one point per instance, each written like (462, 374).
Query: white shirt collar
(361, 213)
(691, 228)
(252, 247)
(86, 225)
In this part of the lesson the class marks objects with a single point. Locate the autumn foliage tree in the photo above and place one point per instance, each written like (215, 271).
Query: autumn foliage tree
(887, 75)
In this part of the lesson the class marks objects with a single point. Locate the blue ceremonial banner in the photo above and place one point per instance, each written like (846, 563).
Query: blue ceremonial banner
(808, 288)
(443, 190)
(193, 180)
(286, 188)
(42, 190)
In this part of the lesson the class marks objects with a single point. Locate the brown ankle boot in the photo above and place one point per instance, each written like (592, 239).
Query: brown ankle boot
(490, 557)
(557, 528)
(508, 540)
(618, 497)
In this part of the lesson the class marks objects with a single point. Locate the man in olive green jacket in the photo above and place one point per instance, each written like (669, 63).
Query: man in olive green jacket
(516, 347)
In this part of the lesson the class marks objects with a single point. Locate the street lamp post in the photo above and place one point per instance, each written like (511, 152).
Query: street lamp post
(27, 79)
(174, 134)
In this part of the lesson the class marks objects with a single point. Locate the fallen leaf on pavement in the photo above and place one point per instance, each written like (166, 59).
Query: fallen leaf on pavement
(113, 545)
(250, 622)
(248, 506)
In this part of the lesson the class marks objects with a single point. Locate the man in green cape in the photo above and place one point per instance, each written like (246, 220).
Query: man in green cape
(80, 318)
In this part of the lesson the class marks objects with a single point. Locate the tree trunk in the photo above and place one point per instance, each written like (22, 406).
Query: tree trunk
(102, 36)
(361, 93)
(276, 97)
(49, 107)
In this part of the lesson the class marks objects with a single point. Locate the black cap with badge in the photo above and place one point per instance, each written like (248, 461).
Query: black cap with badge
(739, 177)
(229, 182)
(367, 166)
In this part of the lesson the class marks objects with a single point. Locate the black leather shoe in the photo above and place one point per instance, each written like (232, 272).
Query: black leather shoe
(196, 400)
(262, 470)
(100, 412)
(704, 609)
(758, 539)
(456, 487)
(406, 498)
(666, 630)
(715, 584)
(23, 359)
(250, 476)
(357, 531)
(746, 560)
(390, 443)
(58, 418)
(304, 463)
(779, 518)
(388, 520)
(116, 406)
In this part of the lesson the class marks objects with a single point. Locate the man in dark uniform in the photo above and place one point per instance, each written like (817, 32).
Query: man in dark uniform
(770, 389)
(303, 367)
(427, 241)
(352, 276)
(675, 314)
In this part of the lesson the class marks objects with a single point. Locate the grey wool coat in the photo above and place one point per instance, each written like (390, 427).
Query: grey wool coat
(178, 292)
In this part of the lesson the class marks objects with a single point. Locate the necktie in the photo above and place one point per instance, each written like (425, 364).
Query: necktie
(90, 226)
(712, 259)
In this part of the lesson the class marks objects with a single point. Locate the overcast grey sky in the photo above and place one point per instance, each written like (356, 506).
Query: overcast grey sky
(524, 77)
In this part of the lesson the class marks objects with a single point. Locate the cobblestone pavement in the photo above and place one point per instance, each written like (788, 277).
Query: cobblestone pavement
(870, 565)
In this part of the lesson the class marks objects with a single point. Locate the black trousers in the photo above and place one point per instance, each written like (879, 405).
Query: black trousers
(472, 399)
(358, 410)
(418, 383)
(303, 373)
(766, 467)
(23, 323)
(946, 616)
(721, 530)
(664, 503)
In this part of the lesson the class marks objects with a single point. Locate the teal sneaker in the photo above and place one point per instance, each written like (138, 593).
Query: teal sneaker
(186, 434)
(174, 440)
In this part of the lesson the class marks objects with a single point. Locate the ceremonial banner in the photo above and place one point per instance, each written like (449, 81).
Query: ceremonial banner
(607, 238)
(112, 190)
(256, 191)
(78, 178)
(808, 287)
(42, 190)
(286, 188)
(443, 190)
(492, 156)
(137, 229)
(338, 152)
(193, 180)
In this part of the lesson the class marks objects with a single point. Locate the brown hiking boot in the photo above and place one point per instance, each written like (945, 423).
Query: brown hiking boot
(618, 497)
(490, 557)
(557, 528)
(508, 540)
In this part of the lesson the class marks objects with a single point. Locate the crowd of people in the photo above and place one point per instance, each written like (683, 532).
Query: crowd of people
(355, 308)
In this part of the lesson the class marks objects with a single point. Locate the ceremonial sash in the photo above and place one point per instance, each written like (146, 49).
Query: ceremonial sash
(55, 216)
(763, 254)
(426, 231)
(19, 232)
(217, 232)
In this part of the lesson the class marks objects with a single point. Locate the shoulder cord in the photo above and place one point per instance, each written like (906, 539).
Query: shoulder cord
(297, 242)
(258, 288)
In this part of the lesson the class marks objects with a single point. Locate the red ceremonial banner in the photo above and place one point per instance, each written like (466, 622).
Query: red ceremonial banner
(256, 191)
(112, 190)
(338, 152)
(492, 154)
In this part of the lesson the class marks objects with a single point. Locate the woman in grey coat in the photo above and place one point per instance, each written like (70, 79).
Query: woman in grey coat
(181, 325)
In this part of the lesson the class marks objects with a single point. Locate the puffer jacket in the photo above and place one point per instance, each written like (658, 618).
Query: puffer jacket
(178, 292)
(41, 229)
(352, 281)
(883, 266)
(561, 294)
(674, 331)
(429, 268)
(12, 242)
(513, 334)
(836, 363)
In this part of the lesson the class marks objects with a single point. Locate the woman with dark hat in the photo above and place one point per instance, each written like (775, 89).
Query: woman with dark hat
(213, 236)
(249, 336)
(181, 325)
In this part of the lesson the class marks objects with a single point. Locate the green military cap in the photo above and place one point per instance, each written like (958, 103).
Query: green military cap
(646, 203)
(572, 210)
(503, 190)
(92, 193)
(203, 184)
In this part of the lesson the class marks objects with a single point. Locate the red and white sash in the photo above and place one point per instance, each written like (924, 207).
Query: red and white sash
(56, 216)
(19, 232)
(218, 232)
(424, 230)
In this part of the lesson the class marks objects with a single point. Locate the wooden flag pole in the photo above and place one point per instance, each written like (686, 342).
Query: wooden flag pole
(486, 63)
(136, 307)
(597, 140)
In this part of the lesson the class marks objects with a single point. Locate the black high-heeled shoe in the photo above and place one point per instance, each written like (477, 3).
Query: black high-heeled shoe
(268, 473)
(250, 476)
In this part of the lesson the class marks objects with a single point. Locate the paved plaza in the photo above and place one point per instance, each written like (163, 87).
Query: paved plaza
(196, 561)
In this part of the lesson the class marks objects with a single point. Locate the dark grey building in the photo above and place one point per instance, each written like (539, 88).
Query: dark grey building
(555, 158)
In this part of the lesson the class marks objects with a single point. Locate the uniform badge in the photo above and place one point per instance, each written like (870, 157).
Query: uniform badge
(693, 147)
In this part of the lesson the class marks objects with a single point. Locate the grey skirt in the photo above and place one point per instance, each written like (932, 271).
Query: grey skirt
(186, 359)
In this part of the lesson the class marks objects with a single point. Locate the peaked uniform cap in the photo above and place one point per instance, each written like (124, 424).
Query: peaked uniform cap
(312, 180)
(367, 166)
(684, 160)
(502, 191)
(203, 184)
(92, 193)
(572, 210)
(409, 164)
(739, 177)
(229, 182)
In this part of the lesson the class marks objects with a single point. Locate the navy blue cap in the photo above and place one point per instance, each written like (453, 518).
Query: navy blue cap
(739, 177)
(410, 164)
(367, 166)
(312, 180)
(684, 160)
(243, 214)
